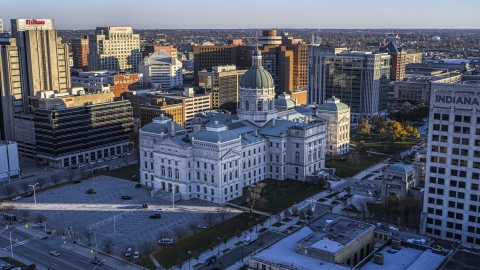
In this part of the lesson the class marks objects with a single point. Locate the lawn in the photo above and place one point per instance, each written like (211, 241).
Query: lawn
(125, 172)
(347, 168)
(201, 242)
(281, 194)
(388, 149)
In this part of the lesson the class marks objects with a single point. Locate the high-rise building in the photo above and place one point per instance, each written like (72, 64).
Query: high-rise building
(359, 79)
(114, 48)
(10, 86)
(75, 129)
(162, 68)
(451, 203)
(223, 82)
(42, 56)
(80, 53)
(1, 26)
(397, 60)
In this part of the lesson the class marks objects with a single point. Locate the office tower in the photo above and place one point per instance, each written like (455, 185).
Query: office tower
(284, 57)
(80, 53)
(114, 48)
(358, 79)
(10, 86)
(75, 129)
(397, 60)
(1, 26)
(160, 67)
(223, 82)
(451, 203)
(43, 57)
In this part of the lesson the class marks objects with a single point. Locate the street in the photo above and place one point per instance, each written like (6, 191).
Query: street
(37, 251)
(236, 254)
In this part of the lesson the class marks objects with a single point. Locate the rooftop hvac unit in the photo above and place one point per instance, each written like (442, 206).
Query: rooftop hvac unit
(396, 244)
(378, 258)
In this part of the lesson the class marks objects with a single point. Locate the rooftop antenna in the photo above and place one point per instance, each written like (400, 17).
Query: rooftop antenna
(256, 40)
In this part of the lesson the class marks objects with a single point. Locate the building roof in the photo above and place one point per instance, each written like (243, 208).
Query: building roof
(391, 47)
(216, 133)
(257, 78)
(333, 104)
(400, 167)
(160, 128)
(284, 253)
(406, 258)
(423, 151)
(285, 100)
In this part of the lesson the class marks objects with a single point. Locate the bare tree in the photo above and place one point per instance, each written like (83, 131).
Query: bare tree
(238, 234)
(25, 186)
(8, 190)
(223, 212)
(9, 207)
(361, 205)
(162, 235)
(41, 182)
(255, 196)
(147, 247)
(88, 234)
(108, 245)
(25, 213)
(209, 218)
(40, 218)
(179, 232)
(295, 209)
(301, 214)
(71, 174)
(193, 227)
(54, 178)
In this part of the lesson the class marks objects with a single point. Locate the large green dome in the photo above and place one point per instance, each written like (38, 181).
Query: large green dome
(257, 77)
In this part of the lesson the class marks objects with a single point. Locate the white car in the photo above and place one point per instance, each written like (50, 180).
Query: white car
(17, 198)
(201, 226)
(55, 253)
(100, 160)
(92, 162)
(158, 210)
(136, 255)
(82, 165)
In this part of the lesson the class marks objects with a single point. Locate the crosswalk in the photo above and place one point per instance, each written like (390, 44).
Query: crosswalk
(19, 243)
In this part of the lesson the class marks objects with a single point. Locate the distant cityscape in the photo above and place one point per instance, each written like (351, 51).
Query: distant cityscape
(281, 148)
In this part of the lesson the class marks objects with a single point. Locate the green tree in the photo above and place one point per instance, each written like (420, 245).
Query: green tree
(377, 122)
(392, 131)
(411, 130)
(360, 146)
(364, 130)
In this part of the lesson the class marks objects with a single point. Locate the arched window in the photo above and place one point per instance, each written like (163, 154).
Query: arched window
(163, 170)
(297, 157)
(259, 105)
(177, 174)
(246, 105)
(169, 172)
(205, 177)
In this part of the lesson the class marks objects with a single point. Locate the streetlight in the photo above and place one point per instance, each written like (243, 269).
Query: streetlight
(34, 197)
(189, 258)
(241, 246)
(98, 264)
(11, 246)
(218, 238)
(256, 226)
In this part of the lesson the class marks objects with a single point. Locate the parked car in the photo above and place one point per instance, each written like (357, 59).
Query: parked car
(138, 185)
(129, 252)
(125, 197)
(92, 162)
(16, 198)
(165, 241)
(200, 226)
(55, 253)
(76, 182)
(145, 205)
(82, 165)
(136, 255)
(90, 191)
(29, 194)
(155, 216)
(100, 160)
(210, 260)
(158, 210)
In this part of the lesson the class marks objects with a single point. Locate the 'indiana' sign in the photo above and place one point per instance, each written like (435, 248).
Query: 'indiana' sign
(457, 100)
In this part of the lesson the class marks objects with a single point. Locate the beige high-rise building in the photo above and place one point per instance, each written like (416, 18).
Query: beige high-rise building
(42, 56)
(114, 48)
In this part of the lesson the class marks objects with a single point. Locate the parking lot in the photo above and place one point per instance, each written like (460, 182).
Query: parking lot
(70, 206)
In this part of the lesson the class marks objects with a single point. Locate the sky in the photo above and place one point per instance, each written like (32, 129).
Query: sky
(228, 14)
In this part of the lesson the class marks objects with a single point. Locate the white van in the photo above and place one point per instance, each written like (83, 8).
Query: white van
(129, 252)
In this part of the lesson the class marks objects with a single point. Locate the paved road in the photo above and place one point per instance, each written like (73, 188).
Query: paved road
(236, 254)
(37, 251)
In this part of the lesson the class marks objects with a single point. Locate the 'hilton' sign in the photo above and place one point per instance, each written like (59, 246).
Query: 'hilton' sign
(34, 22)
